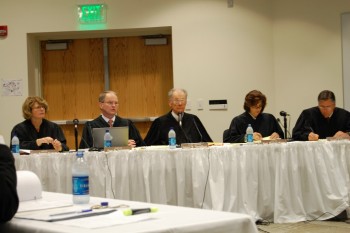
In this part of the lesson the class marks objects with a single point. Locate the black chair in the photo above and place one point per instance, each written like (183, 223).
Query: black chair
(226, 134)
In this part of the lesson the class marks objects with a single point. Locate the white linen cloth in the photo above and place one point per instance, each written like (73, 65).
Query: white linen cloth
(286, 182)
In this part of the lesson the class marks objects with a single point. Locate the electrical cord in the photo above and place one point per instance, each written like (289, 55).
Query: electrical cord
(110, 173)
(330, 214)
(206, 182)
(261, 230)
(288, 132)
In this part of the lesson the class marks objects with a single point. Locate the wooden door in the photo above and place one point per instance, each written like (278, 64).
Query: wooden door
(73, 79)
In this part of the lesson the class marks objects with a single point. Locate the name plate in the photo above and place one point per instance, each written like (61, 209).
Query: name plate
(194, 145)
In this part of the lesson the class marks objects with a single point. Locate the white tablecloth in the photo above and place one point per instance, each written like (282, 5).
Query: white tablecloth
(166, 219)
(285, 182)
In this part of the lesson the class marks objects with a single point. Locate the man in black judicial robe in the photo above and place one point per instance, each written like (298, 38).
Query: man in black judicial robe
(325, 120)
(188, 127)
(8, 185)
(108, 103)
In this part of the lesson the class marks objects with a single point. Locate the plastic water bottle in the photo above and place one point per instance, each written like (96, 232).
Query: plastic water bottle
(107, 139)
(249, 134)
(15, 145)
(80, 180)
(172, 138)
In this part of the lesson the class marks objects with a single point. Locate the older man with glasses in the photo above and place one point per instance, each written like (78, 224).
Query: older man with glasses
(188, 127)
(322, 121)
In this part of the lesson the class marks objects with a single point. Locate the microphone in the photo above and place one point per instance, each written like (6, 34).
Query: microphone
(199, 132)
(183, 131)
(180, 119)
(76, 122)
(283, 113)
(279, 122)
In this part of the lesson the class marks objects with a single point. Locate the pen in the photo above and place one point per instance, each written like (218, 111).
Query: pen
(311, 129)
(71, 212)
(129, 212)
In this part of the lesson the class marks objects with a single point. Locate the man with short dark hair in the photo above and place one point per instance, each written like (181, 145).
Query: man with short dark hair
(322, 121)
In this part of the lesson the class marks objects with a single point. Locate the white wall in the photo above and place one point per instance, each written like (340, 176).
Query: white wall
(288, 49)
(307, 52)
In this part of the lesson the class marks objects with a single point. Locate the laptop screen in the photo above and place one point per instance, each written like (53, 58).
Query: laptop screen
(120, 136)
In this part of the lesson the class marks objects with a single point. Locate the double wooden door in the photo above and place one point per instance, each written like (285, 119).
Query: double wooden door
(72, 80)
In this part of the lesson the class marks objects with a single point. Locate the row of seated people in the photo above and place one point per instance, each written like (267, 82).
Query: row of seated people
(324, 120)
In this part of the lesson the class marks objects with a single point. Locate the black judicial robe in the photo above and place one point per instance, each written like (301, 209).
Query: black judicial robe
(99, 122)
(192, 130)
(265, 124)
(8, 185)
(28, 135)
(312, 120)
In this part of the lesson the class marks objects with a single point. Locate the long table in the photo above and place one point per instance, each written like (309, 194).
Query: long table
(166, 219)
(283, 182)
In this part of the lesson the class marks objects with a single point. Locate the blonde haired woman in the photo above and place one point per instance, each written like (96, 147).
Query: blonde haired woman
(35, 132)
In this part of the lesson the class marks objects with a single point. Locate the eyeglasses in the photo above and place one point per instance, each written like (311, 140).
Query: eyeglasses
(38, 107)
(111, 103)
(179, 101)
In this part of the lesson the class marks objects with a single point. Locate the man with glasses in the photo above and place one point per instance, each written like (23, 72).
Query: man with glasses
(322, 121)
(108, 103)
(188, 127)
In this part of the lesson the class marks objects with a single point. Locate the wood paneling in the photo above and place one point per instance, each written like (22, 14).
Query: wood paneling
(73, 78)
(141, 74)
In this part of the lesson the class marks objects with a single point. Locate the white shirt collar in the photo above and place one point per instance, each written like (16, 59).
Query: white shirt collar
(107, 119)
(176, 116)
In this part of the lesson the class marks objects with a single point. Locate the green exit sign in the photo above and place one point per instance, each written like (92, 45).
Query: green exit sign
(92, 13)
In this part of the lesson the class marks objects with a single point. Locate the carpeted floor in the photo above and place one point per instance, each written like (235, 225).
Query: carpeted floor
(309, 227)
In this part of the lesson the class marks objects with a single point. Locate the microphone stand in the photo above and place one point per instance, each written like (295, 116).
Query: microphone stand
(75, 122)
(285, 126)
(76, 137)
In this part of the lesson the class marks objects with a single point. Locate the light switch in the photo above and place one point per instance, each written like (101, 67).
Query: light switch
(200, 104)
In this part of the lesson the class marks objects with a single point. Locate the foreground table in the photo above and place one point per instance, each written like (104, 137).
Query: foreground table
(167, 219)
(285, 182)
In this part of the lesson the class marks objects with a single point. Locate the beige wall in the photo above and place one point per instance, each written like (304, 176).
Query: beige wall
(289, 49)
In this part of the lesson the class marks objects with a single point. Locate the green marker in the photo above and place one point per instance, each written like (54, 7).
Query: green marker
(129, 212)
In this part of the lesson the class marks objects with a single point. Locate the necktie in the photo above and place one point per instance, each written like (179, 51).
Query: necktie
(110, 122)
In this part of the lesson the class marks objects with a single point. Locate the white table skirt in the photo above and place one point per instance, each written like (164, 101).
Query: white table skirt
(166, 219)
(286, 182)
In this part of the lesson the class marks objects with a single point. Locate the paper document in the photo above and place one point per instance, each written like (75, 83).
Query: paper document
(114, 218)
(41, 204)
(74, 216)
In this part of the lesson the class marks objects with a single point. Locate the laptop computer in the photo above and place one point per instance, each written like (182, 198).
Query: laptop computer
(120, 136)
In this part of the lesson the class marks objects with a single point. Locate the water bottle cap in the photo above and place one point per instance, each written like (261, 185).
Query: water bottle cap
(107, 130)
(80, 154)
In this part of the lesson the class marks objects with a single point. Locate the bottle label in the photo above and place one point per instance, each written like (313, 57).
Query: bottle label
(80, 185)
(107, 143)
(250, 138)
(15, 148)
(172, 142)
